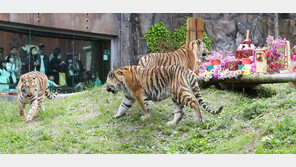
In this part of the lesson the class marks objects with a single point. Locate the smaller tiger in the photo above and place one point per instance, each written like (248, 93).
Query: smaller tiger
(187, 56)
(31, 89)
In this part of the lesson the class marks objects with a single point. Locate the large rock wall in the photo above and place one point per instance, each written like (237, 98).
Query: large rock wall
(226, 30)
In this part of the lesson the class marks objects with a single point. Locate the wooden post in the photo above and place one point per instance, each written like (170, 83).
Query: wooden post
(200, 28)
(187, 32)
(195, 27)
(192, 29)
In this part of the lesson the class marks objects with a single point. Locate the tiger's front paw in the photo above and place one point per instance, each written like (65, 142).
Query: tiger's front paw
(144, 117)
(171, 123)
(29, 119)
(118, 115)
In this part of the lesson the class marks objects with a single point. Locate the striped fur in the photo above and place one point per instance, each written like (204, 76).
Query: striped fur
(31, 89)
(157, 83)
(186, 56)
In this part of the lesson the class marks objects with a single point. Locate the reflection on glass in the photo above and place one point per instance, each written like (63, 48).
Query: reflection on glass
(70, 63)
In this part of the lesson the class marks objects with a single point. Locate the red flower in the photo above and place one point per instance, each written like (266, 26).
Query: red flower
(270, 65)
(280, 65)
(291, 57)
(294, 52)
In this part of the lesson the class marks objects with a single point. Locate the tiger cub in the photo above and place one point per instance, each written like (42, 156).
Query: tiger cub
(186, 56)
(31, 89)
(157, 83)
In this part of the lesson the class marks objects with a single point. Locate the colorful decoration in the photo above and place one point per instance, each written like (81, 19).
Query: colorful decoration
(245, 49)
(246, 61)
(240, 67)
(262, 61)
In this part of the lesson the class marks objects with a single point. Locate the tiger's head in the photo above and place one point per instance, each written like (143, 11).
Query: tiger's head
(29, 86)
(198, 48)
(115, 81)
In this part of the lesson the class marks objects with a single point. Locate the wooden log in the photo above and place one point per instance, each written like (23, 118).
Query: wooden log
(187, 32)
(192, 29)
(200, 28)
(254, 79)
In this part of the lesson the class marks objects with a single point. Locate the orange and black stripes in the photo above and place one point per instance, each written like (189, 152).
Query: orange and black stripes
(186, 56)
(31, 89)
(157, 83)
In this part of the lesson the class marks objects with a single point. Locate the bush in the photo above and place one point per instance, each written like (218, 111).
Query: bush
(159, 39)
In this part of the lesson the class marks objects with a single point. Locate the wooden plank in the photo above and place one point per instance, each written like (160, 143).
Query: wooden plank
(192, 29)
(199, 28)
(187, 32)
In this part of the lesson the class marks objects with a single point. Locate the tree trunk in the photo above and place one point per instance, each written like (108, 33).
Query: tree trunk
(276, 26)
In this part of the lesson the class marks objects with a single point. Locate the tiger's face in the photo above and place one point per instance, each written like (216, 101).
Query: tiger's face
(29, 87)
(114, 82)
(198, 48)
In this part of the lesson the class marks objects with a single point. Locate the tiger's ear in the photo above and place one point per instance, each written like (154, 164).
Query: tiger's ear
(22, 79)
(111, 74)
(199, 42)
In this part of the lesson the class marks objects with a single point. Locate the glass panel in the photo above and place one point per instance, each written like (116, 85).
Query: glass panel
(54, 58)
(95, 59)
(12, 56)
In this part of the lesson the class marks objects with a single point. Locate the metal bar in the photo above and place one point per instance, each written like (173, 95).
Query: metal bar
(73, 42)
(29, 50)
(120, 32)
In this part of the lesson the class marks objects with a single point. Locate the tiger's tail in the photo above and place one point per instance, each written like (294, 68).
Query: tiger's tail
(195, 89)
(51, 96)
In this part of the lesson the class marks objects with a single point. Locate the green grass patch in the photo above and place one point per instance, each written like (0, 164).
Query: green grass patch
(260, 122)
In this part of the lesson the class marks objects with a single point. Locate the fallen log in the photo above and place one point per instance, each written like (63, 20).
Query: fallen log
(254, 79)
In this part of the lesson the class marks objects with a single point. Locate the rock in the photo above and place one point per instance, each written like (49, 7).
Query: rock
(225, 30)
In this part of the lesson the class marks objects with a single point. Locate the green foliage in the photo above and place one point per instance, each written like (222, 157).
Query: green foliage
(207, 41)
(156, 37)
(159, 39)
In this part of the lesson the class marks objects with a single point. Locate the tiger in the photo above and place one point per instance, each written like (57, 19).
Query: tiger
(31, 89)
(157, 83)
(186, 56)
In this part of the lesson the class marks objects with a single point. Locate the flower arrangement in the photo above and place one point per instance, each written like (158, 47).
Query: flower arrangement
(274, 53)
(293, 57)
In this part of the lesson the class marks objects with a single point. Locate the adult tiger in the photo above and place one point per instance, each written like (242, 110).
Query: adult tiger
(31, 89)
(157, 83)
(186, 56)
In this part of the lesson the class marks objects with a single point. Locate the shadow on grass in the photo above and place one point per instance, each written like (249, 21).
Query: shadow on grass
(262, 92)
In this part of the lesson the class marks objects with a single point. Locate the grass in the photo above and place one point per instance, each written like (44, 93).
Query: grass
(260, 122)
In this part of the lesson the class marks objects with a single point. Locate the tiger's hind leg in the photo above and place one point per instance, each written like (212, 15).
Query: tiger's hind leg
(126, 103)
(33, 110)
(187, 99)
(21, 107)
(191, 102)
(178, 114)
